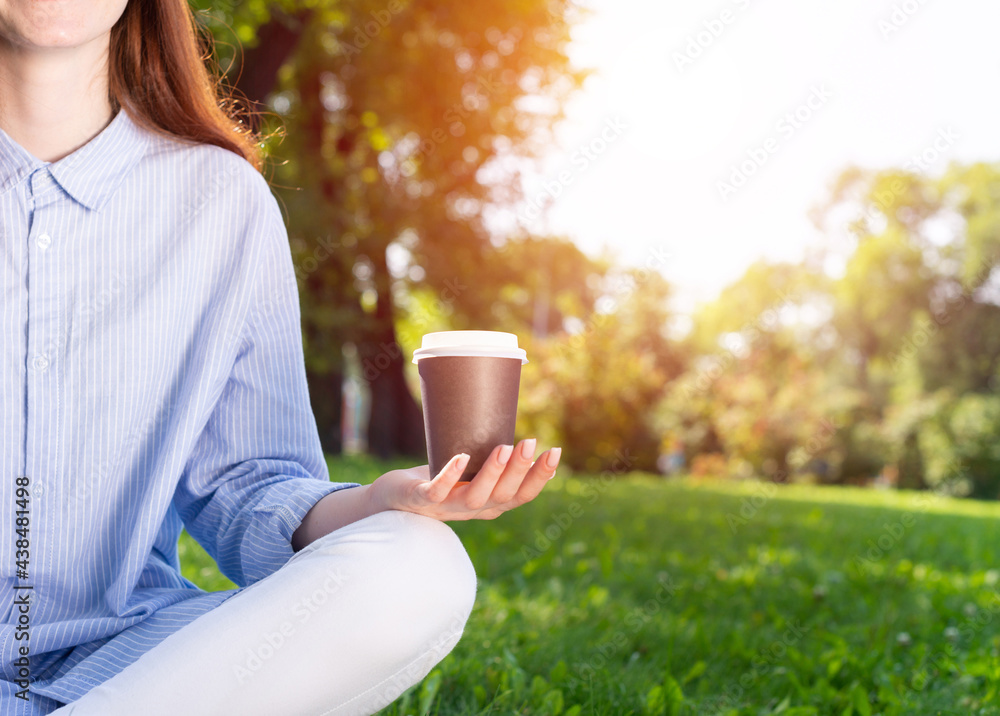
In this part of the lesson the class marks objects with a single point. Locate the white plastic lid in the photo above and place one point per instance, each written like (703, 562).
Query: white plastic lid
(495, 344)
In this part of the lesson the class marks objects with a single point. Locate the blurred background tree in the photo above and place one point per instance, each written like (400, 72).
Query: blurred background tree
(396, 130)
(403, 121)
(885, 368)
(597, 381)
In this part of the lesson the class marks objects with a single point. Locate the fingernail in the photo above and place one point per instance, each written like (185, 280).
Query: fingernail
(553, 458)
(462, 461)
(505, 452)
(528, 448)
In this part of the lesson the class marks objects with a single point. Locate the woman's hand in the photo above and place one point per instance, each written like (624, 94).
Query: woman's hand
(507, 480)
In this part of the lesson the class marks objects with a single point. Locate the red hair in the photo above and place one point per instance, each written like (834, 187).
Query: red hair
(158, 72)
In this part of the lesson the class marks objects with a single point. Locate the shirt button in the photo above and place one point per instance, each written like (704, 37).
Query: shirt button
(40, 362)
(44, 241)
(39, 489)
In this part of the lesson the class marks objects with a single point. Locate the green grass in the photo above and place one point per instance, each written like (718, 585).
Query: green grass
(650, 597)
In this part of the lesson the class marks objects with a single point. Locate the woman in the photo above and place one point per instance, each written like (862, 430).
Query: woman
(153, 377)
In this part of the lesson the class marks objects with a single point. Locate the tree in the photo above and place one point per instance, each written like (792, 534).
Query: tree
(917, 308)
(594, 389)
(758, 390)
(396, 114)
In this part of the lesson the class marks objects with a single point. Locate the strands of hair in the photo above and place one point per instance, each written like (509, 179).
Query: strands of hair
(160, 74)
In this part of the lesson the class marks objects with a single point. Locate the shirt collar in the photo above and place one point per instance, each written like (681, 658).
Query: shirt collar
(15, 162)
(92, 173)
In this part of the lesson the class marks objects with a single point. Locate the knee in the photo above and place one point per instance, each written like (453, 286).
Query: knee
(432, 569)
(414, 572)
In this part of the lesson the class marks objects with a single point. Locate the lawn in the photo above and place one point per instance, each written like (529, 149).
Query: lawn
(645, 596)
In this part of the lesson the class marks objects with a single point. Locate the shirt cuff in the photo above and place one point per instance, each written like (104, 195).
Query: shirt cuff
(267, 545)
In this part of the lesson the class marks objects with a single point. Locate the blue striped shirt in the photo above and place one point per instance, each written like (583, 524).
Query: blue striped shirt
(152, 377)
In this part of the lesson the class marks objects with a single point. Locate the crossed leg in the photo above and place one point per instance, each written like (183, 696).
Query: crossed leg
(342, 629)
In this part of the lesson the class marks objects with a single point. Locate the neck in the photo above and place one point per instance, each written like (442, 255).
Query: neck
(54, 100)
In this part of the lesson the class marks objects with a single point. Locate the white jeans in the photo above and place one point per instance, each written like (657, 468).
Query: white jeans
(344, 627)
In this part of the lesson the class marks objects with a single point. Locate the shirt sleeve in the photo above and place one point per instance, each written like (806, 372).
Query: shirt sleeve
(258, 466)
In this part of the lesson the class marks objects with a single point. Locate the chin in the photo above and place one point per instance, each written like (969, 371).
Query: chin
(52, 24)
(56, 39)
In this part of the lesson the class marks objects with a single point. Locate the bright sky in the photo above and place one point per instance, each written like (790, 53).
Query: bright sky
(877, 99)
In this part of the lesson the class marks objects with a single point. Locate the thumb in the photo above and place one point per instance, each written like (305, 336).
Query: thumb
(439, 488)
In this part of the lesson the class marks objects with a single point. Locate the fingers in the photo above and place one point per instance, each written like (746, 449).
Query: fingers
(540, 473)
(481, 488)
(510, 477)
(438, 489)
(543, 470)
(510, 481)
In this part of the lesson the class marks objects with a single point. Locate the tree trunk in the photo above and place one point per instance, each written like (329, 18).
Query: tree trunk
(255, 76)
(396, 424)
(911, 466)
(256, 72)
(326, 391)
(325, 388)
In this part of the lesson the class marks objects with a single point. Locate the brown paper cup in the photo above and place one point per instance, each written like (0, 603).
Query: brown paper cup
(470, 406)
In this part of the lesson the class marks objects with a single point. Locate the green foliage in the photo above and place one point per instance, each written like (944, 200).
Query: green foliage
(392, 112)
(960, 441)
(974, 190)
(233, 24)
(962, 347)
(753, 306)
(760, 392)
(593, 390)
(532, 287)
(405, 126)
(889, 369)
(825, 601)
(886, 282)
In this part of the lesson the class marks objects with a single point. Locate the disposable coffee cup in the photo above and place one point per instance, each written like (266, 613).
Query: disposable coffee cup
(469, 382)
